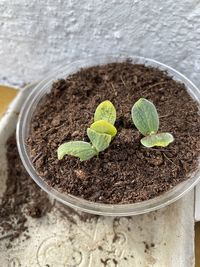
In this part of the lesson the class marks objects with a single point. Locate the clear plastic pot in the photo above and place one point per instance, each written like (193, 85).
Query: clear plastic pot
(91, 207)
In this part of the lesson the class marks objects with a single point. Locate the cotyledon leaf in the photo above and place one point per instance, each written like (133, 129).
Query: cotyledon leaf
(80, 149)
(105, 111)
(160, 139)
(100, 141)
(145, 116)
(102, 126)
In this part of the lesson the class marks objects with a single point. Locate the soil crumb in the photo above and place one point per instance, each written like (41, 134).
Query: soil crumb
(21, 198)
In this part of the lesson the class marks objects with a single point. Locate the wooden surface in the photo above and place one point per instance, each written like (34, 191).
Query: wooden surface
(7, 94)
(197, 244)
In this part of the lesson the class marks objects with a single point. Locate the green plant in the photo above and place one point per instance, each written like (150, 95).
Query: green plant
(146, 120)
(100, 135)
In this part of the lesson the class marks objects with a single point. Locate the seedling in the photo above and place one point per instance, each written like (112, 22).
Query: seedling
(100, 135)
(145, 117)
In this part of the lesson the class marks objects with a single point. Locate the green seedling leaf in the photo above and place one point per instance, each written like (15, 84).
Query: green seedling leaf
(105, 127)
(100, 134)
(105, 111)
(145, 116)
(80, 149)
(160, 139)
(100, 141)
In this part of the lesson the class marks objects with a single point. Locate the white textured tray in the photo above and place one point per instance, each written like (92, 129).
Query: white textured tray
(67, 238)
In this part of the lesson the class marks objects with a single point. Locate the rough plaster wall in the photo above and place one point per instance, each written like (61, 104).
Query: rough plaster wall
(36, 36)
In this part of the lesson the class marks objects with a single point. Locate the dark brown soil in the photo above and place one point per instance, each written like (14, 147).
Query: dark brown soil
(126, 172)
(22, 197)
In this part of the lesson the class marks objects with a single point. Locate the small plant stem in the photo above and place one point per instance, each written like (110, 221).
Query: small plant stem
(115, 92)
(123, 82)
(97, 152)
(167, 115)
(151, 86)
(113, 88)
(155, 84)
(36, 157)
(169, 160)
(157, 149)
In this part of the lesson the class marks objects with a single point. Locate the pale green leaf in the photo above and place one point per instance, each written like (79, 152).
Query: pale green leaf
(105, 111)
(100, 141)
(80, 149)
(160, 139)
(145, 116)
(102, 126)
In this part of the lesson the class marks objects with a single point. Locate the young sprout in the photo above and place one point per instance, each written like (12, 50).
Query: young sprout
(100, 135)
(146, 120)
(105, 111)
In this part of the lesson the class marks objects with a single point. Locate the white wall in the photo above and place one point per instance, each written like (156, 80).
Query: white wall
(36, 36)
